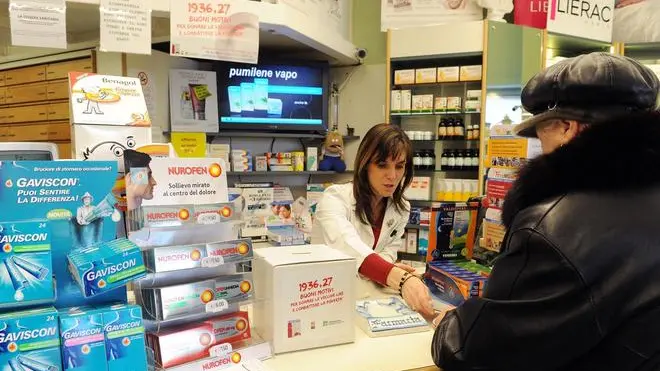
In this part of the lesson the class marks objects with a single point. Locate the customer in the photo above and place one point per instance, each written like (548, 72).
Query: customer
(367, 218)
(577, 286)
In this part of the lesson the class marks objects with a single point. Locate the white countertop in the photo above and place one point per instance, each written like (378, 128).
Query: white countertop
(390, 353)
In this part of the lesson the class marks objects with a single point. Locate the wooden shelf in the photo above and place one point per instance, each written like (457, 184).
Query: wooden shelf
(284, 173)
(435, 84)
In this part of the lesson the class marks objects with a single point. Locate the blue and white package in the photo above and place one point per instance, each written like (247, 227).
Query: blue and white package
(30, 340)
(106, 266)
(83, 340)
(26, 270)
(124, 338)
(66, 194)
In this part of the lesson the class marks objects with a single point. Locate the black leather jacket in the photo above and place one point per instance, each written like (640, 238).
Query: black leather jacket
(577, 286)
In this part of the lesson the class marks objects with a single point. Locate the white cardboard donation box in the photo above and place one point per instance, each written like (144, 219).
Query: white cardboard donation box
(304, 297)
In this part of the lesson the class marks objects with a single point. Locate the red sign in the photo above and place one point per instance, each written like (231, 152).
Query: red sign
(532, 13)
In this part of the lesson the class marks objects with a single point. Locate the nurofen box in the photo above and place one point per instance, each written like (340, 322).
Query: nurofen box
(124, 338)
(192, 342)
(30, 340)
(106, 266)
(172, 258)
(452, 283)
(26, 272)
(178, 215)
(207, 296)
(83, 342)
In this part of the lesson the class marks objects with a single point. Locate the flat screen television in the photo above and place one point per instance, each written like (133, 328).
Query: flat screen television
(273, 97)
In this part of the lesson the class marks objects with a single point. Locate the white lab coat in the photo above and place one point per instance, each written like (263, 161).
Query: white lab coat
(337, 226)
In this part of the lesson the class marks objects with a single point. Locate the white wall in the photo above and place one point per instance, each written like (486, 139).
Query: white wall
(157, 66)
(361, 101)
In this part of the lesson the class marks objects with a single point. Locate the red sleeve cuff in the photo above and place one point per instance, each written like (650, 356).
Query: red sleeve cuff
(376, 268)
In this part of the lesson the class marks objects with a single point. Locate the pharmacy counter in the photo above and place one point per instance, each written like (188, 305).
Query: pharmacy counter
(390, 353)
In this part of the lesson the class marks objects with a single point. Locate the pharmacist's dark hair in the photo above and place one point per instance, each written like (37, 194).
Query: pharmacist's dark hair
(382, 142)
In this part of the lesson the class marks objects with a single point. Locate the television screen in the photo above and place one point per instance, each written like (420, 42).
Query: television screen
(275, 97)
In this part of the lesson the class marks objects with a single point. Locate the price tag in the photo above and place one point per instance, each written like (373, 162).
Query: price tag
(212, 261)
(217, 306)
(208, 218)
(220, 350)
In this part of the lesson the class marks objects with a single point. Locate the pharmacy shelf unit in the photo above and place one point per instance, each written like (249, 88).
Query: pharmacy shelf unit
(450, 119)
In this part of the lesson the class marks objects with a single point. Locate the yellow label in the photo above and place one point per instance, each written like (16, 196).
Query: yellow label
(202, 92)
(189, 144)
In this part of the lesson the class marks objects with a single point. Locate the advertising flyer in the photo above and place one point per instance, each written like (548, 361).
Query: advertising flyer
(107, 100)
(177, 200)
(193, 101)
(77, 200)
(101, 142)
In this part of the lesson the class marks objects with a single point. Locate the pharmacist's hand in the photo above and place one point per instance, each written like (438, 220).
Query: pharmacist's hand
(405, 267)
(416, 295)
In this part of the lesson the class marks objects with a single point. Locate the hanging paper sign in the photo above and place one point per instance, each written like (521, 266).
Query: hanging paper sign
(589, 19)
(214, 29)
(38, 23)
(125, 26)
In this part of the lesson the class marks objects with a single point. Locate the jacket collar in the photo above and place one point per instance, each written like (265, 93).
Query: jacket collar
(618, 155)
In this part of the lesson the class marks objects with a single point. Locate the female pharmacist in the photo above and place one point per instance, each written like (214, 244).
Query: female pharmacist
(367, 218)
(576, 286)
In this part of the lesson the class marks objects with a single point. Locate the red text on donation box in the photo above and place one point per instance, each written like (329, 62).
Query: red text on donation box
(304, 297)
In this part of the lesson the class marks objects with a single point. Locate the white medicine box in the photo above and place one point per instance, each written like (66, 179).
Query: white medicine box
(305, 297)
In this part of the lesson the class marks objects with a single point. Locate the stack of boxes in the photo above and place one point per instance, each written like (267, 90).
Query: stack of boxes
(404, 102)
(103, 338)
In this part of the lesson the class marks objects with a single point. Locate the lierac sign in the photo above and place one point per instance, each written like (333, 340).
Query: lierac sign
(590, 19)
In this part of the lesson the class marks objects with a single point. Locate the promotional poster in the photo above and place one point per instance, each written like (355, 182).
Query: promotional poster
(77, 200)
(193, 101)
(107, 100)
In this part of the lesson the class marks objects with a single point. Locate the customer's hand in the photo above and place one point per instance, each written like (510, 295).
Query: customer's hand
(417, 296)
(405, 267)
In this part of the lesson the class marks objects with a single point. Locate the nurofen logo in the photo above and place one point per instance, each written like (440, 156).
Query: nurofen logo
(215, 170)
(184, 214)
(226, 211)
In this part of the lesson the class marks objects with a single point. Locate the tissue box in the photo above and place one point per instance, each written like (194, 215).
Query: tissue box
(106, 266)
(30, 340)
(304, 297)
(27, 272)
